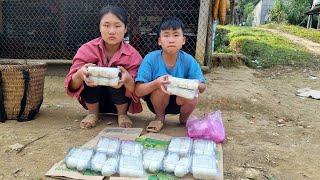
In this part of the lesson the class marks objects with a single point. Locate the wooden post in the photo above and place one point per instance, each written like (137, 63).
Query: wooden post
(202, 30)
(209, 42)
(318, 26)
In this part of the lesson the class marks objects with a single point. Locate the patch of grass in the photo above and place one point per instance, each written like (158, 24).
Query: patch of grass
(310, 34)
(264, 49)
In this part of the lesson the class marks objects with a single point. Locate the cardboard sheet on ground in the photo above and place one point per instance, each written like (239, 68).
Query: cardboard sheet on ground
(307, 92)
(60, 171)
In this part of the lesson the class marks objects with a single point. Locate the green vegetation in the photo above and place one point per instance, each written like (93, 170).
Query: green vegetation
(262, 49)
(311, 34)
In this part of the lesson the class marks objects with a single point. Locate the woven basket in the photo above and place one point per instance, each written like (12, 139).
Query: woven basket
(21, 90)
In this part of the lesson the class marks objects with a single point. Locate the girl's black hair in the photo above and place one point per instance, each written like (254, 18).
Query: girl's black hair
(170, 22)
(117, 11)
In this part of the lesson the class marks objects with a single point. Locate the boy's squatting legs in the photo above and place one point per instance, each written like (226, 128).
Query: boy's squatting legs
(160, 101)
(187, 107)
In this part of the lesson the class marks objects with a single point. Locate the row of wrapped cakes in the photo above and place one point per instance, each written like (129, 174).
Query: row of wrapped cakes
(129, 159)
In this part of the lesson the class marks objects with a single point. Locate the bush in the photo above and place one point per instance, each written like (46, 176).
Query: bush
(277, 13)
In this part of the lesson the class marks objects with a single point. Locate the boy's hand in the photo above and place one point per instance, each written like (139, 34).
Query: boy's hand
(201, 87)
(161, 82)
(83, 74)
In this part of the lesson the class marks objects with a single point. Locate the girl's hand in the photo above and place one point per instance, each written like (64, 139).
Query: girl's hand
(161, 82)
(124, 79)
(84, 74)
(125, 76)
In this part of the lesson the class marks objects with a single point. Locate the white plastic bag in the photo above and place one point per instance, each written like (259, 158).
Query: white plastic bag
(183, 166)
(131, 148)
(170, 162)
(79, 158)
(110, 146)
(152, 159)
(204, 147)
(180, 145)
(110, 166)
(131, 166)
(204, 167)
(98, 160)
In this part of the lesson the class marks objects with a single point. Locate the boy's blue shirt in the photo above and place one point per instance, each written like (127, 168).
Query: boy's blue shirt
(153, 66)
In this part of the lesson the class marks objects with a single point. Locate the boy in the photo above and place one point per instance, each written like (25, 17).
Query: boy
(158, 65)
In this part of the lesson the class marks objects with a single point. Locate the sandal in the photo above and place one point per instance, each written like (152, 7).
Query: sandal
(89, 121)
(155, 126)
(124, 121)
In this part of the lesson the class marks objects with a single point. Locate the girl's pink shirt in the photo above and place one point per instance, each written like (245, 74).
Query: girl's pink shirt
(94, 52)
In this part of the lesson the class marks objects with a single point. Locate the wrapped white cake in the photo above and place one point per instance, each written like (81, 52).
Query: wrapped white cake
(131, 166)
(204, 147)
(110, 146)
(204, 167)
(110, 166)
(152, 159)
(170, 162)
(191, 84)
(102, 81)
(79, 158)
(183, 166)
(98, 160)
(107, 72)
(131, 148)
(180, 145)
(186, 93)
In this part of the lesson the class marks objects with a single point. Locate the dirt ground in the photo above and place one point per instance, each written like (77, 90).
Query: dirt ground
(271, 133)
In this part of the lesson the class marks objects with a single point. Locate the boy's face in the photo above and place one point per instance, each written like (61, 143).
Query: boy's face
(171, 40)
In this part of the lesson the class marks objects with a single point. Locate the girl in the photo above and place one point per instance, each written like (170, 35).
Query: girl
(109, 50)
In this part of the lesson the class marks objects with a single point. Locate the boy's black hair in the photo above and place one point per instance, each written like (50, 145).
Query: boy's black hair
(170, 22)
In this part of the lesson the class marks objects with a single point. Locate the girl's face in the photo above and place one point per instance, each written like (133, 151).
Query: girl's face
(112, 29)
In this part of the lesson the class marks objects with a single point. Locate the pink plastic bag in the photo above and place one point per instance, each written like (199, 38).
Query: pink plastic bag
(208, 127)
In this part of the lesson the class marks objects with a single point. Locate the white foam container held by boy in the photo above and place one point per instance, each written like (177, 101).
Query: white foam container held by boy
(107, 72)
(191, 84)
(185, 93)
(102, 81)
